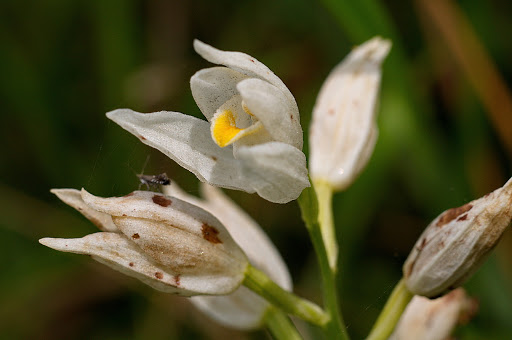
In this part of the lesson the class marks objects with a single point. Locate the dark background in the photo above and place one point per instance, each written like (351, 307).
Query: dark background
(444, 139)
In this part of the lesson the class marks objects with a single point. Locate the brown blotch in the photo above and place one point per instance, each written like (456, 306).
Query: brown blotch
(452, 214)
(252, 60)
(130, 194)
(291, 117)
(210, 234)
(161, 200)
(331, 111)
(135, 236)
(214, 158)
(463, 217)
(142, 137)
(131, 264)
(177, 280)
(422, 244)
(159, 275)
(124, 215)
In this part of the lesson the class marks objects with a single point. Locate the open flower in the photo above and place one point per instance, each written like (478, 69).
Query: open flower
(457, 242)
(242, 309)
(343, 131)
(169, 244)
(252, 140)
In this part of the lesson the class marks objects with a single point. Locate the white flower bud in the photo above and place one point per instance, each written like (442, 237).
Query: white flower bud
(457, 242)
(426, 319)
(167, 243)
(343, 131)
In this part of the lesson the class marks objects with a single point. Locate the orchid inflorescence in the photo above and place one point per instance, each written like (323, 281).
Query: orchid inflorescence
(210, 249)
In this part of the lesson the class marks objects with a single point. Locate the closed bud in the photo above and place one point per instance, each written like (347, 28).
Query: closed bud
(426, 319)
(169, 244)
(457, 242)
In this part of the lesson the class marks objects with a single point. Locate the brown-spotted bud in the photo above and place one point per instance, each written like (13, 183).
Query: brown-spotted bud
(457, 242)
(167, 243)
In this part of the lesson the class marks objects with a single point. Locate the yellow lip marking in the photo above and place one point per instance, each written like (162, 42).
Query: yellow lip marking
(224, 128)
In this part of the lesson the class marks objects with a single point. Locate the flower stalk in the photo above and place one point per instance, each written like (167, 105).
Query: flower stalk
(280, 325)
(261, 284)
(388, 318)
(310, 207)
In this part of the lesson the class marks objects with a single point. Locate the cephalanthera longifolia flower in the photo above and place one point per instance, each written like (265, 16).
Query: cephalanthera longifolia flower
(426, 319)
(343, 131)
(456, 243)
(165, 242)
(252, 140)
(241, 309)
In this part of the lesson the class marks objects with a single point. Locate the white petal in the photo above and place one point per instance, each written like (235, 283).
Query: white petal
(248, 235)
(212, 87)
(279, 114)
(426, 319)
(240, 62)
(73, 198)
(342, 133)
(173, 214)
(241, 309)
(187, 141)
(117, 252)
(277, 171)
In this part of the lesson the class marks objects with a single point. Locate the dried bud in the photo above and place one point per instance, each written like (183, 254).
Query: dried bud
(167, 243)
(426, 319)
(457, 242)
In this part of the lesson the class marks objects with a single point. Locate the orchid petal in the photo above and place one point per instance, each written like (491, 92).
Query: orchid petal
(214, 86)
(119, 253)
(73, 198)
(277, 171)
(186, 140)
(239, 62)
(279, 114)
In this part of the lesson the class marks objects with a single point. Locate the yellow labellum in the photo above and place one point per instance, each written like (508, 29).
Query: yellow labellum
(224, 128)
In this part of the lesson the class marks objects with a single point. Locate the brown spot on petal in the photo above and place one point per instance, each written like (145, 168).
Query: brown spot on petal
(124, 215)
(131, 264)
(252, 60)
(422, 244)
(331, 111)
(210, 234)
(177, 280)
(161, 200)
(142, 137)
(463, 217)
(159, 275)
(130, 194)
(135, 236)
(214, 158)
(452, 214)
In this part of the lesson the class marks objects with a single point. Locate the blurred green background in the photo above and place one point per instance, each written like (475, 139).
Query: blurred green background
(445, 138)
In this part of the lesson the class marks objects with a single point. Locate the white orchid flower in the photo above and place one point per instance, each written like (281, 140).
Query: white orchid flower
(252, 140)
(169, 244)
(242, 309)
(343, 130)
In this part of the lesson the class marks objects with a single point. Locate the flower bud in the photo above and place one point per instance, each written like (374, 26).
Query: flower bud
(457, 242)
(167, 243)
(426, 319)
(343, 131)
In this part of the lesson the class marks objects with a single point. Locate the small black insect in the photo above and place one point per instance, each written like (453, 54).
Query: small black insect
(154, 180)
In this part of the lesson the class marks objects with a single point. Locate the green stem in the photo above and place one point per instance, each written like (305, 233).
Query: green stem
(326, 220)
(335, 328)
(280, 325)
(391, 313)
(261, 284)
